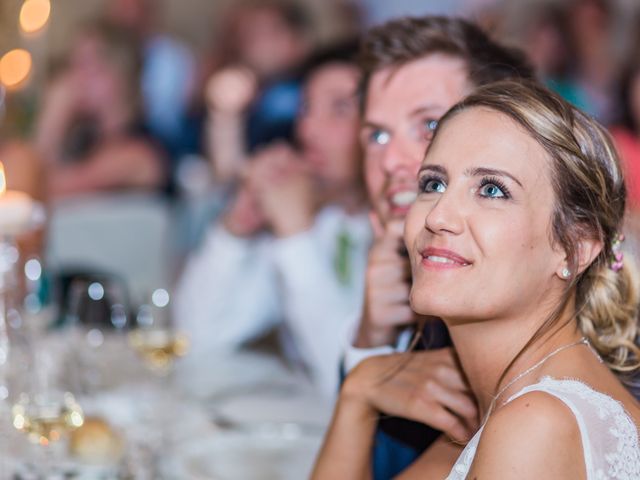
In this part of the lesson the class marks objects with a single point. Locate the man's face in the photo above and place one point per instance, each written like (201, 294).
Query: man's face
(402, 107)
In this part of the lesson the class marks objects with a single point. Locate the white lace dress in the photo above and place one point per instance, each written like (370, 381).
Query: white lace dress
(609, 436)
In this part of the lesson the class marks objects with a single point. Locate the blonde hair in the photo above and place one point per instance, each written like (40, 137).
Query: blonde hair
(590, 198)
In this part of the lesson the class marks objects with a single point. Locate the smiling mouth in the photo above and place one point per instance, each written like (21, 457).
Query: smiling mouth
(439, 258)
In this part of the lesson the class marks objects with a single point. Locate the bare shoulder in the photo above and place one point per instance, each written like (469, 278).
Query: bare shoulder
(534, 436)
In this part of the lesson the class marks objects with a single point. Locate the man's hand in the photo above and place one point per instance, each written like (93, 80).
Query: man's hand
(244, 218)
(426, 387)
(388, 281)
(284, 190)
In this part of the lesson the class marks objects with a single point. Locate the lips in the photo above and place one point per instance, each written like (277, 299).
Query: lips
(441, 258)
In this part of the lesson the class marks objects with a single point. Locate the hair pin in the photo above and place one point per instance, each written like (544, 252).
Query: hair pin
(617, 256)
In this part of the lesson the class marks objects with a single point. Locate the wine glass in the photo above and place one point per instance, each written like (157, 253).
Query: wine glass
(154, 337)
(158, 344)
(45, 412)
(97, 309)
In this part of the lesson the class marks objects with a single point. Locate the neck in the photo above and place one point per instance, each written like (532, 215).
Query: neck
(486, 348)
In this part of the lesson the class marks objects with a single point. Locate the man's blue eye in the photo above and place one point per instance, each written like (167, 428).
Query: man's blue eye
(491, 190)
(380, 137)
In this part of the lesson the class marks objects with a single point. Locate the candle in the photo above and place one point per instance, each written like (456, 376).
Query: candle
(16, 208)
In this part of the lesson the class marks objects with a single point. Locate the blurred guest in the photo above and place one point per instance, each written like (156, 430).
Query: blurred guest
(291, 250)
(590, 26)
(627, 133)
(253, 86)
(89, 131)
(168, 71)
(548, 45)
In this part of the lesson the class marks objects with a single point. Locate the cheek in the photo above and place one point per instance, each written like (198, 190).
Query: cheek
(516, 250)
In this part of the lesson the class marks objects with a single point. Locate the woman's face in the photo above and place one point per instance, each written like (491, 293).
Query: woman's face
(101, 83)
(479, 234)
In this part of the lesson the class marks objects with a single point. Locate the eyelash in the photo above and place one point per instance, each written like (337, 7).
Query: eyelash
(424, 181)
(498, 183)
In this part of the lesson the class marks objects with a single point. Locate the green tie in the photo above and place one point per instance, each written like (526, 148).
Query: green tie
(341, 261)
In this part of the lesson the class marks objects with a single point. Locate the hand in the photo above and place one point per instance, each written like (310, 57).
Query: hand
(284, 190)
(388, 282)
(63, 95)
(231, 90)
(244, 218)
(426, 387)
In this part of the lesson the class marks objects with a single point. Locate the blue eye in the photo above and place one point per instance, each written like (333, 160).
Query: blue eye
(380, 137)
(493, 188)
(432, 185)
(491, 191)
(430, 126)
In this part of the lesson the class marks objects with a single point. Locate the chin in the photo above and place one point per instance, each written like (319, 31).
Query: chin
(431, 304)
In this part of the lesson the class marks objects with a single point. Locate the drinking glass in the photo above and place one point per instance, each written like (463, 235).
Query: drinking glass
(155, 338)
(45, 412)
(97, 308)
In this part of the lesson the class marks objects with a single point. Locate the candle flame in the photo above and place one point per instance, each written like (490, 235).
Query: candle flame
(3, 180)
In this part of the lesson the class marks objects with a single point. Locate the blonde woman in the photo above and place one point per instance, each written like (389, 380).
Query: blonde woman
(514, 242)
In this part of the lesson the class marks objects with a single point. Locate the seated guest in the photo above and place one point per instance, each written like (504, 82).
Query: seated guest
(291, 249)
(627, 133)
(89, 131)
(252, 81)
(415, 70)
(514, 242)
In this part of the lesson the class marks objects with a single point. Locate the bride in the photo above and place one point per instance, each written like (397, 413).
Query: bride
(514, 242)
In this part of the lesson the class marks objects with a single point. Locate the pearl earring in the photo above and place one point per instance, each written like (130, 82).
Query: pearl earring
(566, 273)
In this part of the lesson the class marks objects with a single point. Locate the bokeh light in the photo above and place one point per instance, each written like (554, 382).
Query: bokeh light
(34, 15)
(15, 67)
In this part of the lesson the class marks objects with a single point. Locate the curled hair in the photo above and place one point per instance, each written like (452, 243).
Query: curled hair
(590, 195)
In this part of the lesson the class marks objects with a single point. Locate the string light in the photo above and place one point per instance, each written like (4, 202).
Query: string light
(15, 67)
(34, 15)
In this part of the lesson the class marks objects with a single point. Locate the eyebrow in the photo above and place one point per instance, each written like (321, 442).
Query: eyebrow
(431, 108)
(427, 109)
(494, 172)
(474, 172)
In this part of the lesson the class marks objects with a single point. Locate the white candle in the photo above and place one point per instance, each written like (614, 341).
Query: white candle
(16, 208)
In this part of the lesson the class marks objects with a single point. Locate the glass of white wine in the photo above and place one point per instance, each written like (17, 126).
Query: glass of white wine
(46, 414)
(155, 338)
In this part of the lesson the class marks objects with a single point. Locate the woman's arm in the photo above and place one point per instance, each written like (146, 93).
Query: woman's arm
(130, 163)
(435, 463)
(346, 452)
(228, 94)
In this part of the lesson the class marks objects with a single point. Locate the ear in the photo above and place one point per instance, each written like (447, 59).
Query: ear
(588, 250)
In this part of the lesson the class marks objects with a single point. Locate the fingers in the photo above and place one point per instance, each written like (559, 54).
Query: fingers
(455, 401)
(442, 419)
(376, 225)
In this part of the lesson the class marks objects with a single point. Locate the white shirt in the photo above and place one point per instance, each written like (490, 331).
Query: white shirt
(234, 289)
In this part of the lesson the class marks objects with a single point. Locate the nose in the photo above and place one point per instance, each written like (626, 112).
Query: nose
(446, 215)
(399, 156)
